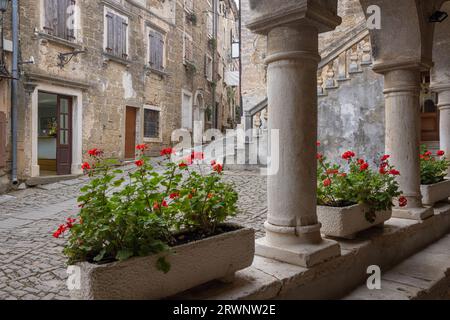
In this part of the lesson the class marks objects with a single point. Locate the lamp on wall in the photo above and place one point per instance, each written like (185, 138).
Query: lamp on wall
(438, 16)
(3, 5)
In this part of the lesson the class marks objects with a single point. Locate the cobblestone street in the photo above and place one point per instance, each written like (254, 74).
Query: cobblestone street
(31, 262)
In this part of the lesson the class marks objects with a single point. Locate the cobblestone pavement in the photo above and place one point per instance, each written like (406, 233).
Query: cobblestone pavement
(31, 263)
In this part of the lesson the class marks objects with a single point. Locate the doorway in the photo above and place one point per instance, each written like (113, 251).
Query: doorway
(429, 115)
(54, 134)
(130, 133)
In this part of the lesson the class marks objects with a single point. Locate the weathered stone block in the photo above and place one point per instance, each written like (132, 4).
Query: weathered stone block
(435, 192)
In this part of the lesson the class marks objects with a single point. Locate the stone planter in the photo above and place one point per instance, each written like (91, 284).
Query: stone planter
(192, 264)
(346, 222)
(433, 193)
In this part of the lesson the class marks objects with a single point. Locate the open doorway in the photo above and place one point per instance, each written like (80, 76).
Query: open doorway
(54, 134)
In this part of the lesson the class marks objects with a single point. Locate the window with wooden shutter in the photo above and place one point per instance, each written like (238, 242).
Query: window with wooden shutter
(156, 50)
(116, 35)
(188, 48)
(208, 68)
(60, 18)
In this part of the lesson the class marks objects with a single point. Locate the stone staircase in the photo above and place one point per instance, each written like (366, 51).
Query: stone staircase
(341, 64)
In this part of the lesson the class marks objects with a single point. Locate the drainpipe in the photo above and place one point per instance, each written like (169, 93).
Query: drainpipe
(240, 61)
(214, 109)
(14, 88)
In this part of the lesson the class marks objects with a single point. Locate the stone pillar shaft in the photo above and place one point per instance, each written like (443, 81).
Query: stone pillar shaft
(444, 122)
(402, 91)
(291, 79)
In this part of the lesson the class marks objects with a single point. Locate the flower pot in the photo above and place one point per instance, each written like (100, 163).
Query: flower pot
(191, 265)
(432, 193)
(346, 222)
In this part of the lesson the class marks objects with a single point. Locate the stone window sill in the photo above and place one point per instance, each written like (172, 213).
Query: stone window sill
(153, 140)
(161, 73)
(114, 58)
(60, 41)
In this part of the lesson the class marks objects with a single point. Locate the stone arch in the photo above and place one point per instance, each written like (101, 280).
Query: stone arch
(406, 35)
(440, 74)
(199, 115)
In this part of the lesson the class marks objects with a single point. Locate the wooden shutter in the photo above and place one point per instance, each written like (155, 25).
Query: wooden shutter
(160, 51)
(70, 14)
(2, 139)
(151, 42)
(123, 44)
(117, 34)
(51, 16)
(109, 32)
(61, 27)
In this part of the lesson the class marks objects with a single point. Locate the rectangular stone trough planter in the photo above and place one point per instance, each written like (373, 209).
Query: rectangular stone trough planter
(437, 192)
(192, 264)
(346, 222)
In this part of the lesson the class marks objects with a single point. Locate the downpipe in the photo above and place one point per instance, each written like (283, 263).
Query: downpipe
(14, 89)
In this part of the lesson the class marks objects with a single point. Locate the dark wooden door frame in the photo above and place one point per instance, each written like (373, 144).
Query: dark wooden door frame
(64, 151)
(129, 145)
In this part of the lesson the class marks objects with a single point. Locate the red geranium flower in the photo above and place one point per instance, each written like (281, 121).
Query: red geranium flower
(402, 201)
(213, 162)
(218, 168)
(62, 228)
(86, 166)
(385, 157)
(142, 147)
(394, 172)
(383, 170)
(182, 165)
(327, 182)
(440, 153)
(364, 166)
(164, 203)
(318, 143)
(332, 171)
(428, 154)
(361, 161)
(167, 151)
(139, 163)
(319, 156)
(95, 152)
(174, 195)
(348, 155)
(156, 206)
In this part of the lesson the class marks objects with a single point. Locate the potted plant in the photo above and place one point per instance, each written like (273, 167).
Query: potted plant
(150, 235)
(433, 168)
(354, 198)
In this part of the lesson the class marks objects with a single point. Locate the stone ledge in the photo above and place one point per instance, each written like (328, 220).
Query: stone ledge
(270, 279)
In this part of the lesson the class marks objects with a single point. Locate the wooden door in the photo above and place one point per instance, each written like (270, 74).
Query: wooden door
(64, 136)
(429, 120)
(130, 133)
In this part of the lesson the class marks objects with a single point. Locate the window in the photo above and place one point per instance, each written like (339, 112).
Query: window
(156, 50)
(151, 122)
(116, 34)
(208, 68)
(188, 48)
(59, 18)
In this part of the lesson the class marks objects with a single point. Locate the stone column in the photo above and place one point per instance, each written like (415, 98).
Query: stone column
(402, 90)
(444, 119)
(292, 229)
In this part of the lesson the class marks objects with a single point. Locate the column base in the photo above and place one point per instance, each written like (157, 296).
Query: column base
(304, 255)
(413, 213)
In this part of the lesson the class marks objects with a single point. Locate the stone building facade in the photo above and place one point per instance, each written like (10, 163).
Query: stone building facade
(142, 69)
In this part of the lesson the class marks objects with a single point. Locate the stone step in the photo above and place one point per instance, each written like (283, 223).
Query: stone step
(425, 275)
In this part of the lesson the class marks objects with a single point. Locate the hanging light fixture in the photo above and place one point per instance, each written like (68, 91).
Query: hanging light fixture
(3, 5)
(438, 16)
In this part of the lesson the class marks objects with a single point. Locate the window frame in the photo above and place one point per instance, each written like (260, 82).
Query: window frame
(110, 10)
(77, 23)
(185, 34)
(152, 108)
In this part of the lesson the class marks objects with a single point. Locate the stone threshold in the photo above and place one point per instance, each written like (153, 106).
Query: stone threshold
(385, 247)
(425, 275)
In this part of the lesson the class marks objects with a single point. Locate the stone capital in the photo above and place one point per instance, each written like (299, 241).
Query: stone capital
(269, 14)
(413, 64)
